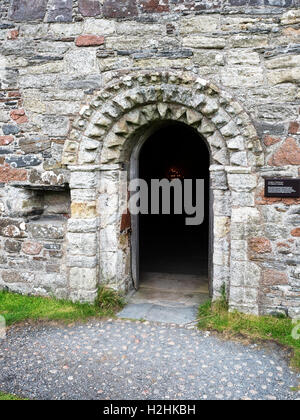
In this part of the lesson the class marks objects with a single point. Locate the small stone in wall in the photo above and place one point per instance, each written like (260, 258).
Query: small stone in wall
(83, 210)
(12, 246)
(260, 245)
(296, 232)
(120, 9)
(19, 116)
(32, 248)
(274, 278)
(12, 35)
(154, 6)
(59, 11)
(89, 7)
(287, 154)
(89, 40)
(26, 10)
(6, 140)
(294, 127)
(12, 231)
(269, 140)
(10, 129)
(8, 174)
(22, 161)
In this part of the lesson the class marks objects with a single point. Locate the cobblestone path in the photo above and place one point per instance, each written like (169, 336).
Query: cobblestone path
(118, 359)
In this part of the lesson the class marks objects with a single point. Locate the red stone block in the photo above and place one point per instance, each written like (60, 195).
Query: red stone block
(269, 140)
(89, 40)
(154, 6)
(14, 94)
(287, 154)
(12, 35)
(296, 232)
(19, 116)
(8, 174)
(294, 127)
(5, 140)
(32, 248)
(271, 278)
(260, 245)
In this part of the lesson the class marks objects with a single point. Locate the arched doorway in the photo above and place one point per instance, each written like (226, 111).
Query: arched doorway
(173, 252)
(98, 152)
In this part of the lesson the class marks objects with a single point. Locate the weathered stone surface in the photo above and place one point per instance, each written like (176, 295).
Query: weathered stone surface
(204, 42)
(31, 248)
(17, 277)
(260, 245)
(80, 62)
(89, 7)
(113, 9)
(246, 274)
(272, 278)
(291, 75)
(82, 261)
(222, 227)
(269, 140)
(12, 35)
(83, 179)
(10, 129)
(6, 140)
(19, 116)
(296, 232)
(83, 210)
(12, 246)
(46, 231)
(23, 161)
(83, 278)
(154, 6)
(196, 24)
(59, 11)
(8, 174)
(83, 225)
(287, 154)
(89, 41)
(242, 76)
(242, 183)
(294, 127)
(56, 126)
(27, 10)
(82, 244)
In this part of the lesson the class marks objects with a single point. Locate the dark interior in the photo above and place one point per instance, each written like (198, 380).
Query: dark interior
(167, 244)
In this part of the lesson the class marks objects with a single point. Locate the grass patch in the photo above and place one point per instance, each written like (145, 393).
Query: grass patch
(215, 316)
(17, 308)
(10, 397)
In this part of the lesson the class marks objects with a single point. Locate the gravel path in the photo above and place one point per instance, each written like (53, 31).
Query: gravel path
(118, 359)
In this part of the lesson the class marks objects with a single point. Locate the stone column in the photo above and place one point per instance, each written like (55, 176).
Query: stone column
(114, 245)
(219, 231)
(245, 275)
(82, 235)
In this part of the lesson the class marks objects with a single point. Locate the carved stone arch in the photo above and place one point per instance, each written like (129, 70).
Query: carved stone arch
(125, 104)
(102, 140)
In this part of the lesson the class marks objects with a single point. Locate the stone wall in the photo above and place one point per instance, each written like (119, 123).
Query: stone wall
(54, 59)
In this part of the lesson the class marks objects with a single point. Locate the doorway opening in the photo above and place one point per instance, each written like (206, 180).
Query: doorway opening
(174, 256)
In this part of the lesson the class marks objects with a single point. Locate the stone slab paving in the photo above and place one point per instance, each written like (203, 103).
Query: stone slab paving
(160, 313)
(118, 359)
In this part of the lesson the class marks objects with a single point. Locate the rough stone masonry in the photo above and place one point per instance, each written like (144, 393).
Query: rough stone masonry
(80, 78)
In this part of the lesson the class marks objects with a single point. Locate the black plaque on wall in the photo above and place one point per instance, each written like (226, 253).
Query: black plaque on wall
(282, 188)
